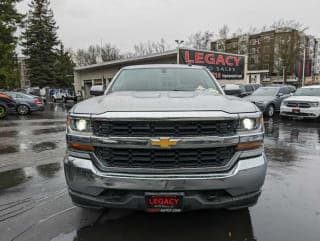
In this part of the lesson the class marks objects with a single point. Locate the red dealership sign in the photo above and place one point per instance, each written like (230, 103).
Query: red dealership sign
(222, 65)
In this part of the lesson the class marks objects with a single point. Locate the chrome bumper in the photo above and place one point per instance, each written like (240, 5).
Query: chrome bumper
(87, 182)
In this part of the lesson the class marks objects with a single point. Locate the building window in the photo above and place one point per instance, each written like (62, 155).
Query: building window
(98, 82)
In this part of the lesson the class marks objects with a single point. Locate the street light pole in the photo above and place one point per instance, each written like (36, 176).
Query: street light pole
(179, 42)
(303, 66)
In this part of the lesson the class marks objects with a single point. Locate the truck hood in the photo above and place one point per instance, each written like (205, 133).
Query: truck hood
(304, 98)
(163, 101)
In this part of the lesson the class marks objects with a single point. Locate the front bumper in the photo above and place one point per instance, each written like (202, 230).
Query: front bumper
(311, 113)
(236, 188)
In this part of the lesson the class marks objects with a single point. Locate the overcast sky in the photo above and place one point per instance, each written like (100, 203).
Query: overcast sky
(126, 22)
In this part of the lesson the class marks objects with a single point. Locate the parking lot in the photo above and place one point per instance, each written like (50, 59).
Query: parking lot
(34, 203)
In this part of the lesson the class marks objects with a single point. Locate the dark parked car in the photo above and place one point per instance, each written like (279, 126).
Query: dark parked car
(7, 105)
(269, 98)
(248, 89)
(240, 90)
(26, 103)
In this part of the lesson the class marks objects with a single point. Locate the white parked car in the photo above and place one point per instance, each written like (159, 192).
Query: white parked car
(305, 103)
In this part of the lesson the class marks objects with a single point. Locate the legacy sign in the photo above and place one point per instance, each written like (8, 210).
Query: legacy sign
(222, 65)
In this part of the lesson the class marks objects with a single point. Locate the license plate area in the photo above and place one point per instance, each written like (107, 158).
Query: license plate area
(296, 110)
(164, 202)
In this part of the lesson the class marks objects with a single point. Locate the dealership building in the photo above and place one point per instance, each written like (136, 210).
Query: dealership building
(218, 64)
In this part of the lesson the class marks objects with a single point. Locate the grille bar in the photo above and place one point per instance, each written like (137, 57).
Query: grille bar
(164, 128)
(298, 104)
(161, 159)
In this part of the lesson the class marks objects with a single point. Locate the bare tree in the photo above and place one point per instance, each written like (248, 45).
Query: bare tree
(200, 40)
(96, 53)
(150, 47)
(224, 32)
(288, 24)
(109, 52)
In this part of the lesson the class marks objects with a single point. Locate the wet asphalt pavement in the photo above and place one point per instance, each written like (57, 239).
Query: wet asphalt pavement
(34, 203)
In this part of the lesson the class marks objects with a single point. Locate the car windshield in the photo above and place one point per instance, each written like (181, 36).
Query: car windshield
(164, 79)
(266, 91)
(307, 92)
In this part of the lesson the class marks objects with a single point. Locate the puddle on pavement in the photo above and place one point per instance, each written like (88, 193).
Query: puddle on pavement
(13, 178)
(6, 134)
(47, 123)
(48, 170)
(8, 149)
(281, 154)
(8, 124)
(44, 146)
(16, 177)
(139, 226)
(49, 130)
(37, 148)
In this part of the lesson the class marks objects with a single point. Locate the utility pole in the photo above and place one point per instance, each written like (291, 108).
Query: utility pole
(303, 66)
(179, 42)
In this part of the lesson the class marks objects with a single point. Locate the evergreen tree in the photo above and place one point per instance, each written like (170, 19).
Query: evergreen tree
(63, 68)
(40, 41)
(9, 20)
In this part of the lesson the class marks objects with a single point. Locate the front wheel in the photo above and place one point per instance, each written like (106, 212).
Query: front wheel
(3, 111)
(270, 111)
(23, 110)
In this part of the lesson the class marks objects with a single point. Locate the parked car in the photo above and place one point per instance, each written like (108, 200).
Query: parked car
(64, 95)
(240, 90)
(305, 103)
(232, 89)
(248, 89)
(268, 99)
(7, 105)
(26, 103)
(170, 143)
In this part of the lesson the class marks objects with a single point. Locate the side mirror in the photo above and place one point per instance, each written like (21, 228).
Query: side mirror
(97, 90)
(280, 95)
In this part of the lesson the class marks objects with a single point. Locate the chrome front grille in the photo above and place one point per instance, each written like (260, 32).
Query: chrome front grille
(103, 128)
(164, 158)
(298, 104)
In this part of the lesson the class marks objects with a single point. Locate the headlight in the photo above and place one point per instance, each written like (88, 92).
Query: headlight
(249, 124)
(314, 104)
(79, 124)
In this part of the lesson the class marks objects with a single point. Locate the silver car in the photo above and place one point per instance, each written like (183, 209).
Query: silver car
(165, 138)
(268, 99)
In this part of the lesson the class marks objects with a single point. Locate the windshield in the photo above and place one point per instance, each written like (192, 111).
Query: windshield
(266, 91)
(164, 79)
(307, 92)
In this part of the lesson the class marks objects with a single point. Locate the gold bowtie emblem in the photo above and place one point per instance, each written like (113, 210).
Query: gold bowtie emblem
(164, 142)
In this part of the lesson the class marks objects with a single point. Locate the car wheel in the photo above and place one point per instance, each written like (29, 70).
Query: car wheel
(23, 110)
(270, 110)
(3, 111)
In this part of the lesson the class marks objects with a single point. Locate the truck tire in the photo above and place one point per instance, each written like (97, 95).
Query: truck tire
(270, 110)
(3, 111)
(23, 110)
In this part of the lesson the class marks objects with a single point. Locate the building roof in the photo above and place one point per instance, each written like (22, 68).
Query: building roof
(128, 60)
